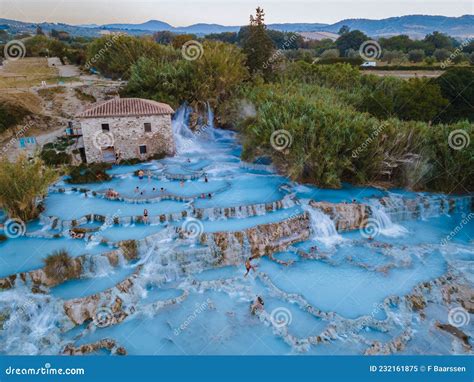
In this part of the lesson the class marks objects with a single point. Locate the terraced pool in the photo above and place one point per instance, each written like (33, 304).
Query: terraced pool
(378, 288)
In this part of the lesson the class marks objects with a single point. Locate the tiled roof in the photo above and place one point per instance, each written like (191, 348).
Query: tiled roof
(126, 107)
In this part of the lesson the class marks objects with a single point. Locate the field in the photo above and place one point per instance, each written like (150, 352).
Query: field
(26, 73)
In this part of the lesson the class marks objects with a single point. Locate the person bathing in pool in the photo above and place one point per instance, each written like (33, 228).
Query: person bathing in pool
(249, 266)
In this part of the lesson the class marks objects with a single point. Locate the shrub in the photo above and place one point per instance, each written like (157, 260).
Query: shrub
(21, 183)
(89, 173)
(54, 158)
(60, 267)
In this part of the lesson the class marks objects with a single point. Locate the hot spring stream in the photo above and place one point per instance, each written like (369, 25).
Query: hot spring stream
(328, 288)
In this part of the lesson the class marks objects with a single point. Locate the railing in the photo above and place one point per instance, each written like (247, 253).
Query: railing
(74, 132)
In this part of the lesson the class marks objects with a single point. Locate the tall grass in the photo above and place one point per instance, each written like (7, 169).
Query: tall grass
(21, 184)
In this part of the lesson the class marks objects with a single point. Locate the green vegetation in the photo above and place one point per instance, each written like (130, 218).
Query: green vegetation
(258, 46)
(21, 183)
(54, 153)
(212, 78)
(89, 173)
(114, 55)
(332, 142)
(60, 267)
(344, 125)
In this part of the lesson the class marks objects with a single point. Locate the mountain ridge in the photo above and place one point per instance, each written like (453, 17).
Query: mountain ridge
(416, 26)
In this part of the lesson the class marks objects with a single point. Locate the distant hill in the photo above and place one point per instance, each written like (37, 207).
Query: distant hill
(416, 26)
(152, 25)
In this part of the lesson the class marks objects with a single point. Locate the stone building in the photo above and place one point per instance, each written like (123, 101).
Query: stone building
(126, 128)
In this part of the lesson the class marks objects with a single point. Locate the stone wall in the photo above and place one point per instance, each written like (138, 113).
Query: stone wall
(126, 135)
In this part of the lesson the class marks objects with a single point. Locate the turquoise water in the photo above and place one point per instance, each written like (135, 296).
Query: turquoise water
(184, 300)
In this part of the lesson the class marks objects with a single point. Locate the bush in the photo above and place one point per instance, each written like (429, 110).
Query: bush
(89, 173)
(114, 55)
(212, 78)
(60, 267)
(331, 142)
(54, 158)
(21, 184)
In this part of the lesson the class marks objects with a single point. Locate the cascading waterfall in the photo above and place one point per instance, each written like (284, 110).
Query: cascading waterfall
(385, 225)
(32, 323)
(322, 227)
(187, 140)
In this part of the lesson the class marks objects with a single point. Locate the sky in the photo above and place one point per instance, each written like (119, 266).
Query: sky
(225, 12)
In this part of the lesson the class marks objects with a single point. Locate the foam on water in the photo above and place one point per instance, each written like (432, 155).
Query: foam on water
(185, 298)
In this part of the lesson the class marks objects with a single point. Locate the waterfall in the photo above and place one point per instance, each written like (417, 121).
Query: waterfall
(187, 140)
(322, 227)
(383, 221)
(31, 323)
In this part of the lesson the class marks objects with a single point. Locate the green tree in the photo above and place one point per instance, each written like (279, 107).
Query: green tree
(164, 37)
(391, 56)
(113, 55)
(350, 40)
(343, 30)
(258, 46)
(419, 100)
(441, 54)
(437, 40)
(416, 55)
(456, 87)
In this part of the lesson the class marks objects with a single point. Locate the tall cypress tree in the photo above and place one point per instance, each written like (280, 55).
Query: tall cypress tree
(258, 46)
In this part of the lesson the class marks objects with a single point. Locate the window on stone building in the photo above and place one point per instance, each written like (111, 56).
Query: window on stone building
(147, 127)
(142, 149)
(105, 127)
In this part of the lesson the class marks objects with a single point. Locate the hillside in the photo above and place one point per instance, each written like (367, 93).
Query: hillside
(416, 26)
